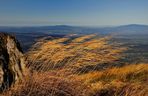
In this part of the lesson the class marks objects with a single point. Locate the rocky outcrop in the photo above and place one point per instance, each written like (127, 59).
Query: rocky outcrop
(12, 66)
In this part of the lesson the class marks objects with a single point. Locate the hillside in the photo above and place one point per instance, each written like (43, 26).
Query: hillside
(82, 66)
(129, 34)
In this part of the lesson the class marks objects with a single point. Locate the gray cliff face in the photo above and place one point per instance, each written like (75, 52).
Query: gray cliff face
(12, 65)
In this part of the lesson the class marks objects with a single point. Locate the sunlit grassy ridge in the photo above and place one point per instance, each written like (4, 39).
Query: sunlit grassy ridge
(68, 67)
(76, 54)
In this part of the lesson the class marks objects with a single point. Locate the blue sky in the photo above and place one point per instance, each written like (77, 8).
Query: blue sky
(73, 12)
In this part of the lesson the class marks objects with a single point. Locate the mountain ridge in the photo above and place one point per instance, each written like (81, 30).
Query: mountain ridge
(66, 29)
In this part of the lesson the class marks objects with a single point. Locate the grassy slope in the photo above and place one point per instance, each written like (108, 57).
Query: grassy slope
(65, 67)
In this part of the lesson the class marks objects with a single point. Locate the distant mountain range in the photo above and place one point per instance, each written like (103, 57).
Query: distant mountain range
(64, 29)
(28, 35)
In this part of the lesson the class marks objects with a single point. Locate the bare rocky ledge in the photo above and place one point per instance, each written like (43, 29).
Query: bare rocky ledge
(12, 64)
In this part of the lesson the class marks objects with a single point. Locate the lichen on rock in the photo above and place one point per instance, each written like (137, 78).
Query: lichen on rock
(12, 64)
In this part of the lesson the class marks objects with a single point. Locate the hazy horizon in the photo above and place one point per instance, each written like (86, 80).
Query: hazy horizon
(87, 26)
(73, 12)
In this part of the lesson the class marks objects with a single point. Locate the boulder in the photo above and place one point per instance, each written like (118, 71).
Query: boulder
(12, 65)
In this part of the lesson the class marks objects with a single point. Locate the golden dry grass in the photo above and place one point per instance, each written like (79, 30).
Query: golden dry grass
(129, 73)
(79, 53)
(130, 80)
(58, 69)
(48, 84)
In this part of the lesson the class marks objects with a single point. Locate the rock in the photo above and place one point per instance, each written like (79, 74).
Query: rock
(12, 65)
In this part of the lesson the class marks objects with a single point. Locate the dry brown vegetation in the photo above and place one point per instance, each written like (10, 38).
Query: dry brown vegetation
(130, 80)
(69, 67)
(79, 53)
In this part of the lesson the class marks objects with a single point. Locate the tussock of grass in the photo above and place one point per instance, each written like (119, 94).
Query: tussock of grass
(130, 80)
(48, 84)
(127, 73)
